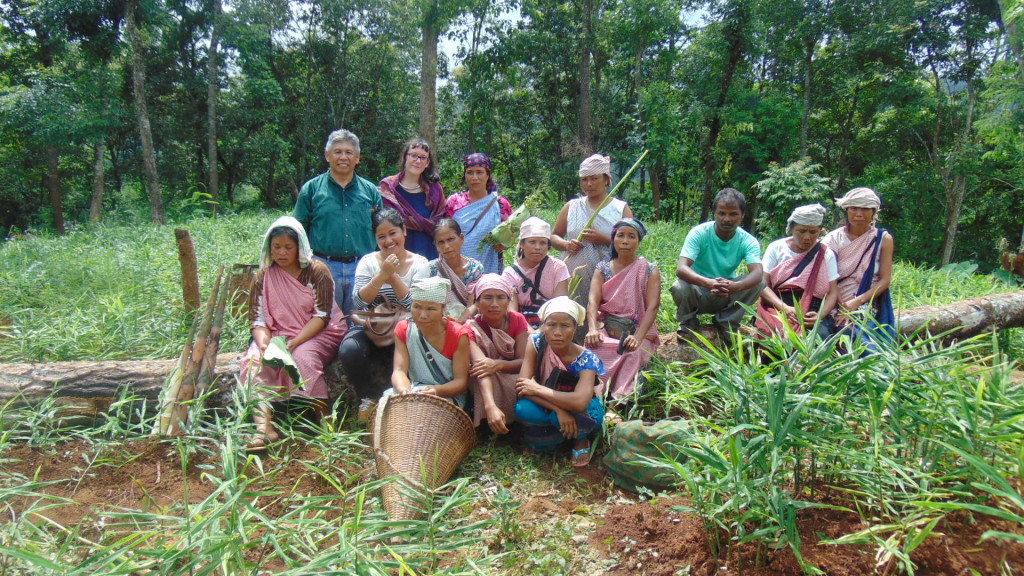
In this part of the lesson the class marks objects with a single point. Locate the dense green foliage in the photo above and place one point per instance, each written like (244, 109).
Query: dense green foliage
(908, 434)
(919, 100)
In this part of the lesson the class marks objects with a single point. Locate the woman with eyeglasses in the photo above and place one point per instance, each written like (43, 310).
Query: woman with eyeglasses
(415, 192)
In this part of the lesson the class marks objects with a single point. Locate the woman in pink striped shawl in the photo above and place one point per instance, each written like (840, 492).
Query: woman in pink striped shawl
(625, 293)
(865, 260)
(292, 296)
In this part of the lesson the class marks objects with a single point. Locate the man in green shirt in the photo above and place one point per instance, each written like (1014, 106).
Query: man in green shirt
(336, 209)
(707, 263)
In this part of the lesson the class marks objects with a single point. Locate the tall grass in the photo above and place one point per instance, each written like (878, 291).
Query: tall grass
(113, 292)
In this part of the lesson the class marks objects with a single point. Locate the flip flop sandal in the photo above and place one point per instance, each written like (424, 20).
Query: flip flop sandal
(581, 456)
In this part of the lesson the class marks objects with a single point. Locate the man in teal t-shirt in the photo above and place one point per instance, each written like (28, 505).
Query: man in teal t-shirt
(707, 263)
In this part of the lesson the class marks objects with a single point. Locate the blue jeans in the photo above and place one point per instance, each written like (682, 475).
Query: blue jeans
(344, 279)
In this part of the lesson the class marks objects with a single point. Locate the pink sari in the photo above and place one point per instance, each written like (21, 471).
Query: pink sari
(287, 306)
(499, 345)
(624, 294)
(812, 282)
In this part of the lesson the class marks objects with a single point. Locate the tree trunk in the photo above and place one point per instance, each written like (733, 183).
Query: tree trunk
(96, 206)
(53, 187)
(156, 205)
(1013, 37)
(428, 76)
(955, 193)
(213, 187)
(116, 169)
(656, 192)
(585, 118)
(269, 195)
(735, 32)
(808, 83)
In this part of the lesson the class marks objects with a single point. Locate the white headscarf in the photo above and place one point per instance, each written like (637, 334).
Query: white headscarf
(860, 198)
(565, 305)
(305, 252)
(809, 215)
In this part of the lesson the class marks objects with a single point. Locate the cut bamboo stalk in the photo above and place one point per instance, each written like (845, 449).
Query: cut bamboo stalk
(209, 362)
(186, 390)
(173, 383)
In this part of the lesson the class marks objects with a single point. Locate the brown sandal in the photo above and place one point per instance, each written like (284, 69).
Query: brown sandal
(258, 444)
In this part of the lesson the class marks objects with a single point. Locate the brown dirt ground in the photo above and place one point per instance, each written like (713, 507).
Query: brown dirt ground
(638, 538)
(649, 538)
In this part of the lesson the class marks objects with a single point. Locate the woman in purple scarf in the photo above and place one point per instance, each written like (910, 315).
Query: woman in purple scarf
(415, 192)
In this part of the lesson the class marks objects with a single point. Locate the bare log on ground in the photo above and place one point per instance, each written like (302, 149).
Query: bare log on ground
(967, 317)
(85, 390)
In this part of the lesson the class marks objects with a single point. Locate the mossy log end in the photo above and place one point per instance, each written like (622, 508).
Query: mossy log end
(85, 390)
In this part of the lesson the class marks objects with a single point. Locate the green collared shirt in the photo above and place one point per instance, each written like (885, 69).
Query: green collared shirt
(338, 221)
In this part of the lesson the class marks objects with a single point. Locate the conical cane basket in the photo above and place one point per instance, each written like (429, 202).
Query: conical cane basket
(421, 439)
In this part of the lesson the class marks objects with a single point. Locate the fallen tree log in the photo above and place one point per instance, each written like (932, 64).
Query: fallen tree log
(85, 390)
(967, 317)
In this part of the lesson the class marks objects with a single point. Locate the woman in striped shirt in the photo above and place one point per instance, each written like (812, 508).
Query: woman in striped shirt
(382, 278)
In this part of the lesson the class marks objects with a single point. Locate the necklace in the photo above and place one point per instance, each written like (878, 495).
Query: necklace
(407, 188)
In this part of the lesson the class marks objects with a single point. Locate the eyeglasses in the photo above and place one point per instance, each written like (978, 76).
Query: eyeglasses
(417, 157)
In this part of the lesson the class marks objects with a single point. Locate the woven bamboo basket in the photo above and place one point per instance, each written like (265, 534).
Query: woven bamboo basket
(420, 439)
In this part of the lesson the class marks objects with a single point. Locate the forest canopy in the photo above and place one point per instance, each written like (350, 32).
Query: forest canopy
(143, 110)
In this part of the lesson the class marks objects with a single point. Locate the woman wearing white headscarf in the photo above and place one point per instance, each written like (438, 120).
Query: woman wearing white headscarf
(581, 256)
(801, 275)
(556, 384)
(865, 260)
(431, 350)
(292, 296)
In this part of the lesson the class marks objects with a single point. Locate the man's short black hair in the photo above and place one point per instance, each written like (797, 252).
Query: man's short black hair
(730, 196)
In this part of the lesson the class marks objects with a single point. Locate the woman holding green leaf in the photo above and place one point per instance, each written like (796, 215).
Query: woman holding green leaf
(292, 296)
(584, 225)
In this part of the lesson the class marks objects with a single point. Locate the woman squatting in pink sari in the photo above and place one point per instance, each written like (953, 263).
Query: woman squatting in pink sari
(801, 275)
(625, 293)
(497, 346)
(292, 296)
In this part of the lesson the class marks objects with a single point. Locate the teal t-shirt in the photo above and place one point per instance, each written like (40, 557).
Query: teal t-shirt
(714, 258)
